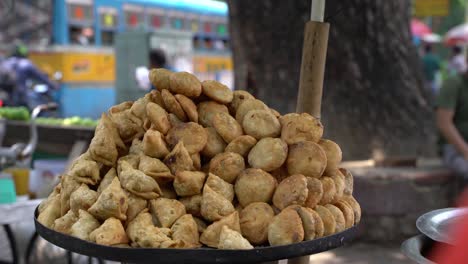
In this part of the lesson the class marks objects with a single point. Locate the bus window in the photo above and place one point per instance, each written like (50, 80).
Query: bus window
(226, 44)
(108, 17)
(133, 16)
(207, 27)
(221, 29)
(80, 13)
(208, 43)
(177, 23)
(194, 26)
(107, 38)
(196, 43)
(81, 35)
(156, 19)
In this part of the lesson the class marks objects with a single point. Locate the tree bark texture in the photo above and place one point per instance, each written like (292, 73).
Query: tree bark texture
(374, 100)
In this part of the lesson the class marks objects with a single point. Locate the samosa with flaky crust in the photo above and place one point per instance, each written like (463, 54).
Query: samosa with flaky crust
(166, 211)
(139, 183)
(84, 226)
(103, 147)
(83, 198)
(64, 223)
(68, 186)
(136, 204)
(154, 144)
(155, 168)
(220, 186)
(85, 170)
(186, 229)
(214, 206)
(107, 180)
(112, 202)
(210, 236)
(50, 213)
(188, 183)
(230, 239)
(111, 232)
(179, 159)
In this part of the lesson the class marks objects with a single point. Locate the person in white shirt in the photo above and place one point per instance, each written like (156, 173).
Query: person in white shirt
(457, 63)
(157, 59)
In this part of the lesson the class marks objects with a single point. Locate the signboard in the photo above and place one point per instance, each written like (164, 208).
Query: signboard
(426, 8)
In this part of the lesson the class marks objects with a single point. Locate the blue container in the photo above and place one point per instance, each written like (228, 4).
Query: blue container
(7, 191)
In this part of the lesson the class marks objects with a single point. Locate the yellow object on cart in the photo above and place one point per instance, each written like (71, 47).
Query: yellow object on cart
(21, 179)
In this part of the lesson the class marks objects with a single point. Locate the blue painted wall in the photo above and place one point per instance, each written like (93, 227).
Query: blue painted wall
(85, 101)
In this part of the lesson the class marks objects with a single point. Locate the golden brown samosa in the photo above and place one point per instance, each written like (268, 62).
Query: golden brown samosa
(104, 146)
(214, 206)
(166, 211)
(158, 117)
(144, 234)
(138, 183)
(64, 223)
(68, 186)
(82, 198)
(132, 159)
(192, 204)
(231, 239)
(210, 236)
(186, 229)
(155, 168)
(44, 203)
(138, 108)
(220, 186)
(84, 226)
(142, 220)
(179, 159)
(154, 144)
(84, 170)
(111, 232)
(188, 183)
(128, 125)
(136, 204)
(112, 202)
(50, 213)
(110, 175)
(136, 148)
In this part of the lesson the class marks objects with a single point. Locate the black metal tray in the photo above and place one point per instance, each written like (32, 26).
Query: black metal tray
(194, 256)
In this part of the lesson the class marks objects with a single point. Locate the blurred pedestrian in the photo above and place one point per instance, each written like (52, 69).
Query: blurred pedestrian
(452, 122)
(24, 71)
(157, 59)
(431, 64)
(457, 63)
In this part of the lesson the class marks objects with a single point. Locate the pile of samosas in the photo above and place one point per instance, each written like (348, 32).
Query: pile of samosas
(194, 164)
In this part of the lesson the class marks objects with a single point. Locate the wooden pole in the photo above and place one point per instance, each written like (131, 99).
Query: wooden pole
(314, 53)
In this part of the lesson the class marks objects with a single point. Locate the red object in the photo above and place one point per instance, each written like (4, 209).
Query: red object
(133, 20)
(419, 28)
(457, 254)
(207, 27)
(79, 12)
(156, 21)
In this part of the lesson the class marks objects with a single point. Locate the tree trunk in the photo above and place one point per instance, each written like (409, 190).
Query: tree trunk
(374, 101)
